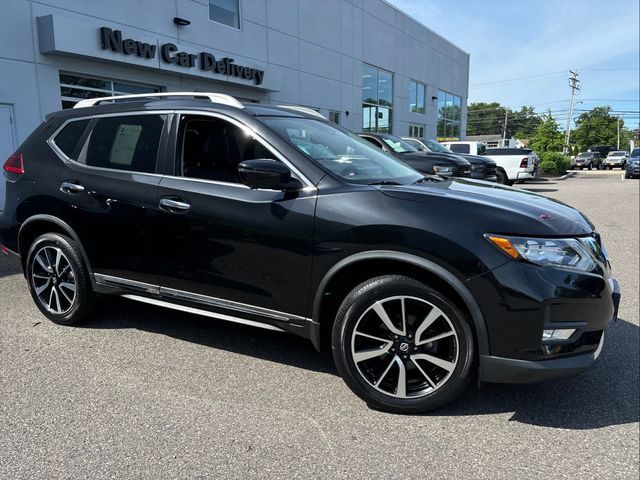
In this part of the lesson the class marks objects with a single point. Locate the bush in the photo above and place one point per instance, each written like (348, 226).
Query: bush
(554, 163)
(548, 167)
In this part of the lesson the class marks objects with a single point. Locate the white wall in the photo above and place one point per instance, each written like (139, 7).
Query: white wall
(312, 53)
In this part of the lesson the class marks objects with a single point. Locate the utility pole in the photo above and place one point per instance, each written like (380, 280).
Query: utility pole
(618, 118)
(574, 83)
(504, 129)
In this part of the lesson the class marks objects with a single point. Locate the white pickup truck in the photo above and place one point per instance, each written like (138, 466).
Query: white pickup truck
(513, 164)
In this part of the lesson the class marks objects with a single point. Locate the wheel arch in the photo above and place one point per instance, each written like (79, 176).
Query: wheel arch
(40, 224)
(361, 266)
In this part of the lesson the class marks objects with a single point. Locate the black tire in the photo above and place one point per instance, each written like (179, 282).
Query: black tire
(502, 178)
(626, 175)
(590, 166)
(61, 309)
(358, 308)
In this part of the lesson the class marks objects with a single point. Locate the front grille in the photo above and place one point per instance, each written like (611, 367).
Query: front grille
(462, 171)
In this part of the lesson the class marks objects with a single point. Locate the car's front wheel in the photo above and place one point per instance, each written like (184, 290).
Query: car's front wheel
(402, 346)
(58, 280)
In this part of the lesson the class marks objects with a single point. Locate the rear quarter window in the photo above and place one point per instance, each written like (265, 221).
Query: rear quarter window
(67, 139)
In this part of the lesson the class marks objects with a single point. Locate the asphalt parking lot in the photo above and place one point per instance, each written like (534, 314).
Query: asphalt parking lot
(142, 392)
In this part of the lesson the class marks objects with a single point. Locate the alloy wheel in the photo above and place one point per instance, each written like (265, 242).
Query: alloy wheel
(405, 347)
(53, 280)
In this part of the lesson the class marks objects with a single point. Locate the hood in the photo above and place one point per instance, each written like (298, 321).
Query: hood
(444, 158)
(496, 208)
(477, 159)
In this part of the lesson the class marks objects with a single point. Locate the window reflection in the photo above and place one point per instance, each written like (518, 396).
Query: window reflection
(377, 99)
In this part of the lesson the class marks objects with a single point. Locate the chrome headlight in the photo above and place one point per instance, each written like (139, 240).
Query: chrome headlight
(441, 170)
(558, 252)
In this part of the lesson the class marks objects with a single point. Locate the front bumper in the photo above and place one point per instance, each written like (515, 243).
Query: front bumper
(510, 370)
(519, 301)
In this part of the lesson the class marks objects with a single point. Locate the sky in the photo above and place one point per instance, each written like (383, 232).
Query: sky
(522, 51)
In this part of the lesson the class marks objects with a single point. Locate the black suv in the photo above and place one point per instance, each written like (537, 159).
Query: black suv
(449, 165)
(274, 217)
(482, 168)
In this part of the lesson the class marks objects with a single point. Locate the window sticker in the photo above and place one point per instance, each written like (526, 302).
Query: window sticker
(124, 145)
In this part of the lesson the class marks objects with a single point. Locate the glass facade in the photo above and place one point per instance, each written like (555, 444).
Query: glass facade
(416, 97)
(377, 99)
(416, 131)
(226, 12)
(75, 87)
(449, 116)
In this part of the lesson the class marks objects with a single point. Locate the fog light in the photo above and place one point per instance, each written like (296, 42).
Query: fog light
(558, 334)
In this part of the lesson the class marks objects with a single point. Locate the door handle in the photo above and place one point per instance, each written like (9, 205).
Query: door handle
(70, 187)
(174, 205)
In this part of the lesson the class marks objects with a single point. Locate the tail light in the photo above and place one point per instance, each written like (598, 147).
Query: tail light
(524, 163)
(14, 164)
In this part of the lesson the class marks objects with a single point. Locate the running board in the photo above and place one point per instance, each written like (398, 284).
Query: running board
(205, 313)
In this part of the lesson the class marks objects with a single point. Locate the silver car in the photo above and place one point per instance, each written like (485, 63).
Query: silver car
(616, 158)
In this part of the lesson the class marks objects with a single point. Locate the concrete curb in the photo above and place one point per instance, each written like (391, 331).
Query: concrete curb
(564, 177)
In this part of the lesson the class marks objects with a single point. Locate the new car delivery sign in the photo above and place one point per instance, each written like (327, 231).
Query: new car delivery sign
(169, 53)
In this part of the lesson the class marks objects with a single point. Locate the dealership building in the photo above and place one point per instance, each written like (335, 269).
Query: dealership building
(363, 64)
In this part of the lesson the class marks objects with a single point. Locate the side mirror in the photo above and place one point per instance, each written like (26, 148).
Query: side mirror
(267, 174)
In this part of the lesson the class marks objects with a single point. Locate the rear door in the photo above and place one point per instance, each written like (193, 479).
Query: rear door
(223, 244)
(108, 189)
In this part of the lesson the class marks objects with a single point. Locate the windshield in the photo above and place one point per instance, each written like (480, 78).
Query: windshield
(617, 154)
(436, 147)
(635, 153)
(398, 145)
(341, 152)
(584, 155)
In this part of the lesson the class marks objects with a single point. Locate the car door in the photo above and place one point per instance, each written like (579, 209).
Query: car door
(108, 192)
(221, 243)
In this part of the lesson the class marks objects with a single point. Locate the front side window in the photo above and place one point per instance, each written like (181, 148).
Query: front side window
(226, 12)
(416, 97)
(341, 152)
(69, 136)
(124, 143)
(377, 99)
(212, 148)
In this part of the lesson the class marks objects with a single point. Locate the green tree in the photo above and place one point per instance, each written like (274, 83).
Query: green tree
(547, 137)
(598, 127)
(488, 119)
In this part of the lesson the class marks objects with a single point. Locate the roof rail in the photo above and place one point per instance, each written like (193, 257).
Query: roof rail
(307, 110)
(213, 97)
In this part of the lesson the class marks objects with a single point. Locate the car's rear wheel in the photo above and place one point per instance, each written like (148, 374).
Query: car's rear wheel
(502, 178)
(58, 279)
(402, 346)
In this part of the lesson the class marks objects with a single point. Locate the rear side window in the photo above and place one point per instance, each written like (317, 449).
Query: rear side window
(460, 148)
(124, 143)
(69, 136)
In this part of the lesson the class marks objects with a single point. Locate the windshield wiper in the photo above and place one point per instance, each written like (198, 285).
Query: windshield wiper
(384, 182)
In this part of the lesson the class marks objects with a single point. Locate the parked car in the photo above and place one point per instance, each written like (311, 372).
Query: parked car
(514, 164)
(603, 150)
(482, 168)
(470, 148)
(449, 165)
(632, 167)
(616, 158)
(274, 217)
(588, 160)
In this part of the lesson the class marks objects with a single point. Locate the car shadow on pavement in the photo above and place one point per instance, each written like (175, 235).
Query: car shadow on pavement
(8, 268)
(245, 340)
(605, 395)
